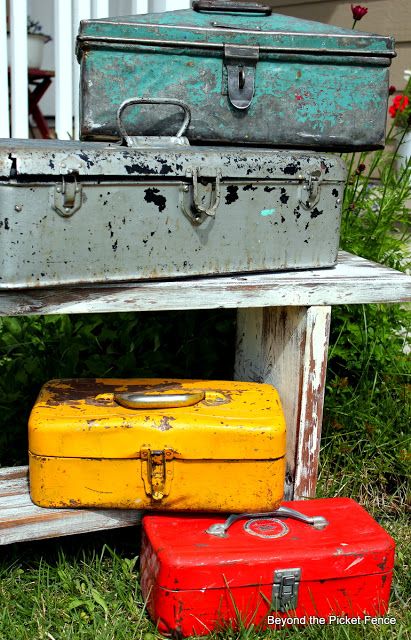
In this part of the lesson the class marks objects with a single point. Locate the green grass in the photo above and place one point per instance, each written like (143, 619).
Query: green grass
(88, 588)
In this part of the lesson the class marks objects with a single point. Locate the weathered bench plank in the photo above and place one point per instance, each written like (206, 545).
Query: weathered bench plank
(353, 281)
(20, 519)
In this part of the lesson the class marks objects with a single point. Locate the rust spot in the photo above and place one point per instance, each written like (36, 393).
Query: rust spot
(73, 392)
(284, 197)
(382, 564)
(215, 402)
(316, 212)
(153, 195)
(164, 423)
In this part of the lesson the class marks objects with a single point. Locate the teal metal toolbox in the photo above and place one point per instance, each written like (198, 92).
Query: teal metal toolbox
(249, 77)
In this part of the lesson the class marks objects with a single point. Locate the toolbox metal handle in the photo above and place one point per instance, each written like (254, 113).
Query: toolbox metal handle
(228, 6)
(158, 401)
(173, 101)
(220, 529)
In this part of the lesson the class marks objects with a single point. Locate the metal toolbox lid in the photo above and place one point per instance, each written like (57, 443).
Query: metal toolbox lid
(88, 418)
(352, 544)
(43, 160)
(274, 33)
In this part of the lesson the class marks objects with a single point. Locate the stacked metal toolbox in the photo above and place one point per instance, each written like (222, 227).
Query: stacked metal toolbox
(249, 77)
(161, 208)
(124, 213)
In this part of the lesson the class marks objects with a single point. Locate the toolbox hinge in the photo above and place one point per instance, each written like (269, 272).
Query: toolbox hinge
(68, 195)
(285, 589)
(157, 471)
(240, 63)
(310, 188)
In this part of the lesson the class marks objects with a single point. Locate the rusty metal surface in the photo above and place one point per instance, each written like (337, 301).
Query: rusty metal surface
(131, 214)
(262, 80)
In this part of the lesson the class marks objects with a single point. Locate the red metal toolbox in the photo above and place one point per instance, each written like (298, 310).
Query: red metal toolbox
(267, 571)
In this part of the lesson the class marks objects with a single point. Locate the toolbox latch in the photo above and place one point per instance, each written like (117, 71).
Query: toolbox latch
(310, 189)
(285, 589)
(68, 193)
(201, 199)
(157, 471)
(240, 63)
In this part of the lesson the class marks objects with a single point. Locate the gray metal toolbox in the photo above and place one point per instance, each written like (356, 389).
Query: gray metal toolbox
(75, 212)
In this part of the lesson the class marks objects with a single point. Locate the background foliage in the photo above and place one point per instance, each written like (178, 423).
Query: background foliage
(33, 350)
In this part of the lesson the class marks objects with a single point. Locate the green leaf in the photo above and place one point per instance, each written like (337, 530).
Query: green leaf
(75, 604)
(100, 600)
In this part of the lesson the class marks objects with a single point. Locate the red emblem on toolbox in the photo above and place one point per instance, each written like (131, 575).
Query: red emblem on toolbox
(266, 528)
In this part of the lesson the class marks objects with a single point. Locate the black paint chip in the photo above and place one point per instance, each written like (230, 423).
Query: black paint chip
(153, 195)
(232, 194)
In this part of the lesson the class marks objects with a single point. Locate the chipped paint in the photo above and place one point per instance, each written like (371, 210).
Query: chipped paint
(267, 212)
(354, 563)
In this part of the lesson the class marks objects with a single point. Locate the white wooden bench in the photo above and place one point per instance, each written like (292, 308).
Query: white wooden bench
(282, 338)
(20, 519)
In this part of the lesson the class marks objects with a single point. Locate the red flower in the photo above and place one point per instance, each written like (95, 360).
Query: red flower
(358, 11)
(391, 89)
(361, 167)
(399, 104)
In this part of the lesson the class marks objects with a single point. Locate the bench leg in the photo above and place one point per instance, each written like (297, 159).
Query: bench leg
(287, 347)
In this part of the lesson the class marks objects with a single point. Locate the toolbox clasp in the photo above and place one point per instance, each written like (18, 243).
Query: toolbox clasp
(240, 62)
(285, 589)
(206, 185)
(156, 471)
(309, 193)
(68, 195)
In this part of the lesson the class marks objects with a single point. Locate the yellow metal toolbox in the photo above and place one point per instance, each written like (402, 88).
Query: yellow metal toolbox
(157, 444)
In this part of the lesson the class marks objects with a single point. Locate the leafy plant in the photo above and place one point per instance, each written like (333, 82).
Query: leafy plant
(198, 344)
(367, 408)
